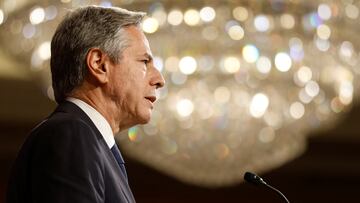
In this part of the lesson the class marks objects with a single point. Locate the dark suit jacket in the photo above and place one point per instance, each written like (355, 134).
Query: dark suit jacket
(66, 159)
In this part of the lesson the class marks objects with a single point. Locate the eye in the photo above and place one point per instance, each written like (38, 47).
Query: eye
(145, 61)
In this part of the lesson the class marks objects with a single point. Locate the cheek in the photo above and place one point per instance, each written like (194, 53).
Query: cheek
(129, 83)
(131, 91)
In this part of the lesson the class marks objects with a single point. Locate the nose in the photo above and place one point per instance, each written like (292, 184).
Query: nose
(157, 80)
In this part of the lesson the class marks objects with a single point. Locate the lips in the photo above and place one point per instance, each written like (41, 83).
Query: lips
(152, 99)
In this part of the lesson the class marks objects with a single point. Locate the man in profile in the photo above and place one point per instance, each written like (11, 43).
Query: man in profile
(104, 81)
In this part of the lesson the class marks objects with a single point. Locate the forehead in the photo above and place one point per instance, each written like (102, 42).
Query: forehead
(137, 39)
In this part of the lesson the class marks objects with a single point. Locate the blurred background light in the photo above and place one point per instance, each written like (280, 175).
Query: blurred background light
(207, 14)
(283, 62)
(51, 12)
(160, 16)
(184, 107)
(44, 50)
(175, 17)
(192, 17)
(150, 25)
(304, 74)
(222, 94)
(267, 135)
(287, 21)
(262, 23)
(1, 16)
(231, 64)
(172, 64)
(259, 105)
(37, 16)
(29, 30)
(159, 64)
(250, 53)
(324, 11)
(297, 110)
(236, 32)
(263, 65)
(323, 32)
(249, 77)
(352, 11)
(312, 88)
(210, 33)
(240, 13)
(187, 65)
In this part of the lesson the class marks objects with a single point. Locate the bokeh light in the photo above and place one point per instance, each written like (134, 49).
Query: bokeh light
(51, 12)
(207, 14)
(259, 105)
(324, 11)
(37, 15)
(304, 74)
(240, 13)
(250, 53)
(133, 134)
(29, 30)
(346, 49)
(262, 23)
(222, 94)
(287, 21)
(210, 33)
(105, 4)
(346, 92)
(263, 65)
(150, 25)
(44, 50)
(160, 16)
(159, 64)
(184, 107)
(192, 17)
(178, 78)
(1, 16)
(236, 32)
(175, 17)
(231, 64)
(283, 62)
(187, 65)
(323, 32)
(297, 110)
(172, 64)
(312, 88)
(352, 11)
(267, 134)
(322, 45)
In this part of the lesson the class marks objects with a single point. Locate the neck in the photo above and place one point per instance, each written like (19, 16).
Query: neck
(95, 98)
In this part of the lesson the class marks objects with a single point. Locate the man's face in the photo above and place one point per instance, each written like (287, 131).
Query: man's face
(133, 81)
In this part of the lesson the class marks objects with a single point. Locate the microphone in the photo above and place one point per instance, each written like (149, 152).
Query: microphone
(257, 180)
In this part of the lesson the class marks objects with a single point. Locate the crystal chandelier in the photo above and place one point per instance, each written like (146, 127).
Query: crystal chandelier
(246, 81)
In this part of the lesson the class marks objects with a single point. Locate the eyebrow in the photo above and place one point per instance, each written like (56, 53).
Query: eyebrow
(147, 55)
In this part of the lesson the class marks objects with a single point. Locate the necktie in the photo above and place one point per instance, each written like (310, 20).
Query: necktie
(116, 152)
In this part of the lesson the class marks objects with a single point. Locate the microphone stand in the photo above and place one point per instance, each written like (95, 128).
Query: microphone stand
(257, 180)
(277, 191)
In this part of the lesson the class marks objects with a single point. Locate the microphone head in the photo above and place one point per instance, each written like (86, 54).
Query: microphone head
(253, 178)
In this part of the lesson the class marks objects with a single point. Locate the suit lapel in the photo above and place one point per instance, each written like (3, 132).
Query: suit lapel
(69, 107)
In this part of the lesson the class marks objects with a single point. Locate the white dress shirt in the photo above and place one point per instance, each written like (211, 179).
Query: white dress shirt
(100, 122)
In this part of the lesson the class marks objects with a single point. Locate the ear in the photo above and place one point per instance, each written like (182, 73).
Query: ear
(97, 65)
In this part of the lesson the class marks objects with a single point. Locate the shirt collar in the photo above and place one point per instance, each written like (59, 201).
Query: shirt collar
(100, 122)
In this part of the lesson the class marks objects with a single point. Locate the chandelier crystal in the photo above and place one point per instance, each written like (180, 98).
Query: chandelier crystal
(245, 81)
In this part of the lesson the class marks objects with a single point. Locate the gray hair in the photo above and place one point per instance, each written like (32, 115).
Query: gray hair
(83, 29)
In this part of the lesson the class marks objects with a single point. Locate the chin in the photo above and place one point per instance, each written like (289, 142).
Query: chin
(145, 119)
